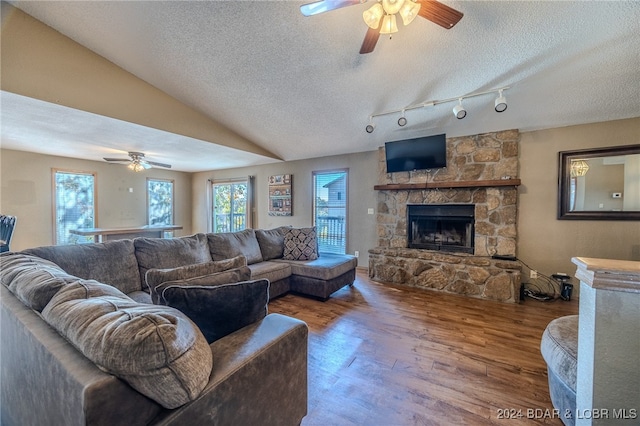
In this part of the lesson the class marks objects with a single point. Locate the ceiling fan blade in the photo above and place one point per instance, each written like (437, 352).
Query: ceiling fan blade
(439, 13)
(153, 163)
(116, 159)
(370, 40)
(322, 6)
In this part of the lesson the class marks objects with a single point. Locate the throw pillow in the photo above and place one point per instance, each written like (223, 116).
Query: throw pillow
(156, 349)
(226, 277)
(165, 253)
(271, 242)
(219, 310)
(154, 277)
(300, 244)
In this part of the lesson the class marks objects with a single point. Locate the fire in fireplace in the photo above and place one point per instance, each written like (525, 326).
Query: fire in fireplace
(445, 227)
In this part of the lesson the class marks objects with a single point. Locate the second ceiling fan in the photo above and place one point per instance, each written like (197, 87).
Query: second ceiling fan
(381, 17)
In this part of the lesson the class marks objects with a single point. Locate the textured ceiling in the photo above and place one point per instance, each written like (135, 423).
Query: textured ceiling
(297, 86)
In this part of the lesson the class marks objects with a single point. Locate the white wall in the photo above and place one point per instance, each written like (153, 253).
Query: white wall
(26, 192)
(546, 243)
(362, 177)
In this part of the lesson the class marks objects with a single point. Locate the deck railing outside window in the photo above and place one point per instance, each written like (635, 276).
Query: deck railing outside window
(330, 234)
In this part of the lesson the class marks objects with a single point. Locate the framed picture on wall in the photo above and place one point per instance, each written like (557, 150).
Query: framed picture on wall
(280, 195)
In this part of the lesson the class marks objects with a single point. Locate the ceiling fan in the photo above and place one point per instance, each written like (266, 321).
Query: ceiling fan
(137, 163)
(381, 17)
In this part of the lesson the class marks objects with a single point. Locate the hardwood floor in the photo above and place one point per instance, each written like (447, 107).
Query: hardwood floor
(390, 355)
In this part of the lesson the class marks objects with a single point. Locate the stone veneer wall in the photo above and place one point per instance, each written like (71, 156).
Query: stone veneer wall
(474, 276)
(490, 156)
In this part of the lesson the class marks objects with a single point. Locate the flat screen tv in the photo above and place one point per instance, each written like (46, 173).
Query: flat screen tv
(429, 152)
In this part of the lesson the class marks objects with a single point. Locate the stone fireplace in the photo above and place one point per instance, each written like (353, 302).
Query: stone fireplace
(477, 195)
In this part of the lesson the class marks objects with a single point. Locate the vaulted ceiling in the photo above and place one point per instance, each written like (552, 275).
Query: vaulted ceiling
(295, 87)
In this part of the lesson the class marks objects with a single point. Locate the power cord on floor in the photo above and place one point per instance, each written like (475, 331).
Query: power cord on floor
(543, 288)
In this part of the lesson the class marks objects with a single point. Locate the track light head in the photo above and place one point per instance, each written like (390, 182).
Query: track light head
(402, 121)
(370, 127)
(501, 103)
(459, 110)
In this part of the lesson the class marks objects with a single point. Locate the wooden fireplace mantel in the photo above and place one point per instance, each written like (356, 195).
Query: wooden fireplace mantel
(451, 184)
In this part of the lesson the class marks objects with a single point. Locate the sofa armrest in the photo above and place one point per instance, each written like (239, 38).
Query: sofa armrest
(37, 360)
(259, 377)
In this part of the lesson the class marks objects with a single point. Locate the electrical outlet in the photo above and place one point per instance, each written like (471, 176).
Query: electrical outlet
(533, 274)
(356, 253)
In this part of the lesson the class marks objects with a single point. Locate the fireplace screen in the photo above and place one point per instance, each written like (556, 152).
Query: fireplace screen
(446, 227)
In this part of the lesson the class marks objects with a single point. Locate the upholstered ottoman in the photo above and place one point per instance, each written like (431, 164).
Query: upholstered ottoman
(559, 347)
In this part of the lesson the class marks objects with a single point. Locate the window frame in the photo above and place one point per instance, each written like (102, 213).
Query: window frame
(345, 199)
(247, 182)
(54, 195)
(173, 199)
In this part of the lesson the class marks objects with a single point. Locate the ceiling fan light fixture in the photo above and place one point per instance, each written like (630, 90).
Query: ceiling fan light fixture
(389, 25)
(501, 103)
(409, 11)
(137, 167)
(459, 110)
(391, 7)
(373, 15)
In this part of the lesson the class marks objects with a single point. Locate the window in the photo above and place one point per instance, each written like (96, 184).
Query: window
(330, 210)
(74, 205)
(159, 201)
(230, 206)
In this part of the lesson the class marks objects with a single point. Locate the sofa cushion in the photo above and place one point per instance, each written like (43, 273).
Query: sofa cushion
(300, 244)
(327, 267)
(219, 310)
(155, 276)
(161, 253)
(156, 349)
(31, 279)
(230, 244)
(271, 242)
(226, 277)
(559, 348)
(111, 262)
(271, 271)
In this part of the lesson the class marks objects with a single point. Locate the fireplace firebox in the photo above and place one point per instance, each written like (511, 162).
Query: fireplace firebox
(445, 227)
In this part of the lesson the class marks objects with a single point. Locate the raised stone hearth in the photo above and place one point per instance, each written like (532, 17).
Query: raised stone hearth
(479, 171)
(474, 276)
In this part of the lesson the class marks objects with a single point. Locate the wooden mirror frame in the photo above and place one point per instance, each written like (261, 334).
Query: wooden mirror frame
(564, 184)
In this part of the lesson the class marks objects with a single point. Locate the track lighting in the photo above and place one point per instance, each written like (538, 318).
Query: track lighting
(370, 127)
(459, 110)
(501, 102)
(402, 121)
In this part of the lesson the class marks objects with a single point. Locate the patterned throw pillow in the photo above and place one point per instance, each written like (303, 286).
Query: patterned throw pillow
(300, 244)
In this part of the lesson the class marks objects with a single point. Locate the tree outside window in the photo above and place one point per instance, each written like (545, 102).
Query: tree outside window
(229, 207)
(74, 205)
(160, 202)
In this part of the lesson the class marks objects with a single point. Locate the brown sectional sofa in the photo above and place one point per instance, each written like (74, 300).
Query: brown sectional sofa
(65, 362)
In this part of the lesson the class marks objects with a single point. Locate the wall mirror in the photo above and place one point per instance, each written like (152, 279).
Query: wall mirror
(600, 184)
